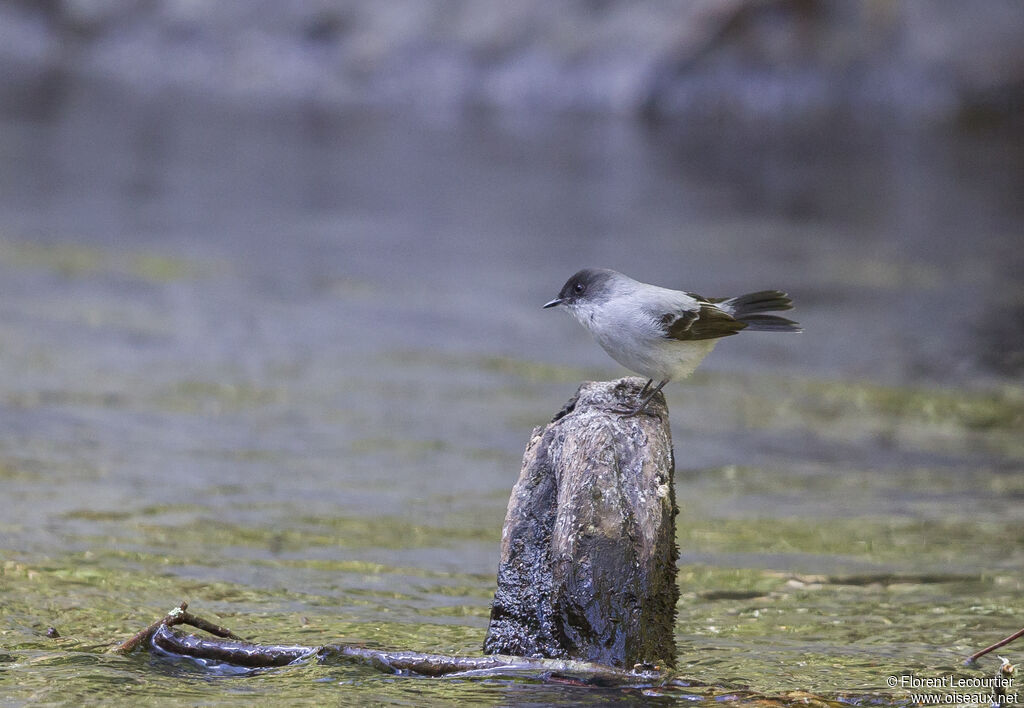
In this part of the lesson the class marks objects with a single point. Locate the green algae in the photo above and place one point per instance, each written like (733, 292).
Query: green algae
(213, 397)
(919, 542)
(80, 261)
(829, 630)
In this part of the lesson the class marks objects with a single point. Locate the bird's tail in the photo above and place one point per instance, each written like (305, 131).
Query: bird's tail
(750, 309)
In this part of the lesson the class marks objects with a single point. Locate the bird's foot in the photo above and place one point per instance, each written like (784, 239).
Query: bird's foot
(630, 412)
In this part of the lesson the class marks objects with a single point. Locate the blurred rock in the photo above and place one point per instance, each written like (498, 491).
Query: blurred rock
(707, 58)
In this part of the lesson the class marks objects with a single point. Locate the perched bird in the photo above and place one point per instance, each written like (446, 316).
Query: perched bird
(660, 333)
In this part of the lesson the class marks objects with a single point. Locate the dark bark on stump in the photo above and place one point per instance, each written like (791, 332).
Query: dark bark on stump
(588, 553)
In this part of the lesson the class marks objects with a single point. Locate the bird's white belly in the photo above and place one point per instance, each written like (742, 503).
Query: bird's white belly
(654, 356)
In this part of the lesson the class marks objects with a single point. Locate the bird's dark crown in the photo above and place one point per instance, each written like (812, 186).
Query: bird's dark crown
(585, 284)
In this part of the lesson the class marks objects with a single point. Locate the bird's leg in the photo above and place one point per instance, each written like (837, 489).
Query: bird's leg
(640, 409)
(646, 386)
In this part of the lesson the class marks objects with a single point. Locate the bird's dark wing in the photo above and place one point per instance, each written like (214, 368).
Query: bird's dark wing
(707, 322)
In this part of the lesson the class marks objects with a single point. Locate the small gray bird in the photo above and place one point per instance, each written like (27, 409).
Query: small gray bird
(660, 333)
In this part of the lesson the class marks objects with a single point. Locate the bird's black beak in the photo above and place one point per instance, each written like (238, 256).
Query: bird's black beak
(554, 303)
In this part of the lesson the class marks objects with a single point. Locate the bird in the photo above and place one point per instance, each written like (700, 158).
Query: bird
(659, 333)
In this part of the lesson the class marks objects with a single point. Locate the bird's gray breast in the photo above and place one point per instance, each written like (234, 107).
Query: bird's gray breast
(628, 335)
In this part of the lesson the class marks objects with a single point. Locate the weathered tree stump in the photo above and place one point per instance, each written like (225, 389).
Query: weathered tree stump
(588, 552)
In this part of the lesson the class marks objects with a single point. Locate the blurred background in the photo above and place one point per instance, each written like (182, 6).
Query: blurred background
(271, 337)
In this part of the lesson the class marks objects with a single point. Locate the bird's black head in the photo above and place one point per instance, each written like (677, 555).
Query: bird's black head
(589, 284)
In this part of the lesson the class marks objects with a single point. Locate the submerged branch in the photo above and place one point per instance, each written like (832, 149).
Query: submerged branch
(231, 649)
(1001, 643)
(179, 615)
(228, 651)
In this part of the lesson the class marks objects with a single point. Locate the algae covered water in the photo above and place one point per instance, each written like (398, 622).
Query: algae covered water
(283, 364)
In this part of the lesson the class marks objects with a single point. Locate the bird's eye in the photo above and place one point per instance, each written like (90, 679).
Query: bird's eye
(579, 288)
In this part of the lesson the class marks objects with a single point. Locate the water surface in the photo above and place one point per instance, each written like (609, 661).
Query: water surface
(283, 364)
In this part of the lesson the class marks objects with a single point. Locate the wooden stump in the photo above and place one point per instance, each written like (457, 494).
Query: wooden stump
(588, 552)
